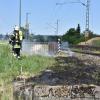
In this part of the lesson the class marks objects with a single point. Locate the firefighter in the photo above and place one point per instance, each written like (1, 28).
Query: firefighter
(16, 41)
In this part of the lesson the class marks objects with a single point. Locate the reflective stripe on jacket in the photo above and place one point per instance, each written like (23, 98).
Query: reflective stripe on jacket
(20, 35)
(16, 46)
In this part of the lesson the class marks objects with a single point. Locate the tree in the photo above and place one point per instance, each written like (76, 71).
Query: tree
(88, 34)
(39, 38)
(71, 32)
(78, 29)
(73, 36)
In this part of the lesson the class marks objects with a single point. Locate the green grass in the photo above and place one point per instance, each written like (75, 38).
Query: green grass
(96, 43)
(10, 67)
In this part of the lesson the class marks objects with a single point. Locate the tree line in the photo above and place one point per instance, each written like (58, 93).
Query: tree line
(72, 36)
(75, 36)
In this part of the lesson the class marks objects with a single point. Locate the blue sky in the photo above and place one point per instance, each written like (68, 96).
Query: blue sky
(44, 14)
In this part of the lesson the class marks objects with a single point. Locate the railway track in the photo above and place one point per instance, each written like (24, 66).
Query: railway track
(91, 50)
(87, 52)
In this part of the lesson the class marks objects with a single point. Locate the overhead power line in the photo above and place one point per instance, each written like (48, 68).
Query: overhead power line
(87, 5)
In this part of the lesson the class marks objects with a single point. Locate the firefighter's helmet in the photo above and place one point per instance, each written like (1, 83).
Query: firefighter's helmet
(16, 28)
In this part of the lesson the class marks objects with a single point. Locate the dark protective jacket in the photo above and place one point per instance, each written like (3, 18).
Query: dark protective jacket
(15, 40)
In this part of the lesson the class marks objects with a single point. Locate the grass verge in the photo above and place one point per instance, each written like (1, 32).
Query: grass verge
(10, 67)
